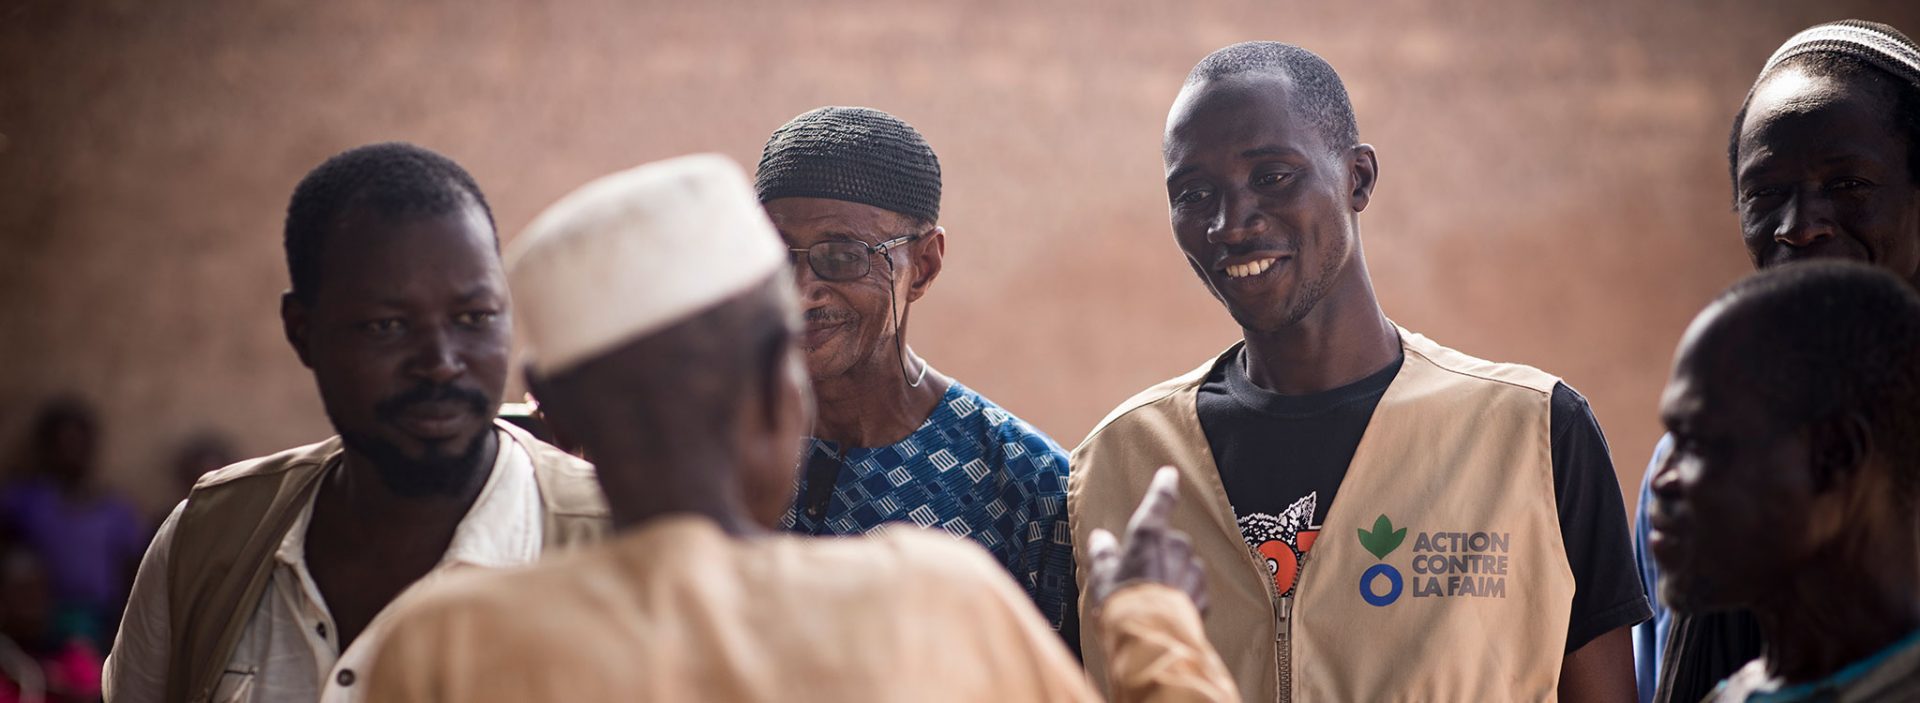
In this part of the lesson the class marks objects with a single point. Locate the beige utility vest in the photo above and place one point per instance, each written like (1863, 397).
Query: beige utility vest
(225, 539)
(1439, 574)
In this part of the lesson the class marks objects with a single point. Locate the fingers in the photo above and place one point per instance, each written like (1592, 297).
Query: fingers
(1103, 556)
(1156, 508)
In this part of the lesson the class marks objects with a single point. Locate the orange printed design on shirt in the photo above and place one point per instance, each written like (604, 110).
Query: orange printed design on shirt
(1281, 541)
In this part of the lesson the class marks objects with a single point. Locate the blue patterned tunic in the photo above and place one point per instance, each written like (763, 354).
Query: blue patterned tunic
(973, 470)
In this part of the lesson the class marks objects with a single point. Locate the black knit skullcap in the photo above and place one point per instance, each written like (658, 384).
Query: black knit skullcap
(856, 154)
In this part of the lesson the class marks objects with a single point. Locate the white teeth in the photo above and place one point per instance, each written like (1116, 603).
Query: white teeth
(1249, 269)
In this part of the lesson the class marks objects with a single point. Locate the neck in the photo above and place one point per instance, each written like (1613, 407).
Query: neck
(1848, 606)
(1343, 339)
(358, 484)
(872, 405)
(703, 483)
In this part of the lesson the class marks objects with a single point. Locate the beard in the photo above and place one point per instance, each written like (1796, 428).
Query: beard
(437, 473)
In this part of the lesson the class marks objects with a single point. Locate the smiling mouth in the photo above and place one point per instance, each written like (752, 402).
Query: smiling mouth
(1249, 269)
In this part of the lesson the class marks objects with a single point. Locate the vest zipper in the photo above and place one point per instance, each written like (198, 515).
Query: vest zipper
(1283, 641)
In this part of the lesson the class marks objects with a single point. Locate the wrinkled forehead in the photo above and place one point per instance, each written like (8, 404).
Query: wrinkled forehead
(803, 221)
(1233, 112)
(1795, 94)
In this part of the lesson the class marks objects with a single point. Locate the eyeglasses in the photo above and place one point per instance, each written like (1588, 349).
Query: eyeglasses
(846, 260)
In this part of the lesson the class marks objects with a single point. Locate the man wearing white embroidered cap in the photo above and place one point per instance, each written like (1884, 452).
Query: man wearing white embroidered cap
(691, 396)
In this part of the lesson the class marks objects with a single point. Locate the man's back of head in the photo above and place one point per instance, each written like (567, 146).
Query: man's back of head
(661, 324)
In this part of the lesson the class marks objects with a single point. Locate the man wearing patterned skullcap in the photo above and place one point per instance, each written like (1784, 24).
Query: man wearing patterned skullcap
(691, 398)
(1824, 157)
(855, 192)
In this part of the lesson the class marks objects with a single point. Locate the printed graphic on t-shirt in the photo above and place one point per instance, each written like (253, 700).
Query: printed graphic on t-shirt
(1281, 541)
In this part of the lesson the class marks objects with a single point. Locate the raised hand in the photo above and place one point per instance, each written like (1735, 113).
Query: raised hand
(1152, 552)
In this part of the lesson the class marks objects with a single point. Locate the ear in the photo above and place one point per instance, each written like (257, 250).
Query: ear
(1363, 169)
(294, 318)
(1840, 447)
(927, 255)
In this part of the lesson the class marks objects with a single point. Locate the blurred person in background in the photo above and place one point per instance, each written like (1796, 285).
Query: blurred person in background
(39, 660)
(691, 395)
(855, 193)
(1824, 157)
(269, 581)
(201, 453)
(1791, 489)
(1492, 559)
(88, 538)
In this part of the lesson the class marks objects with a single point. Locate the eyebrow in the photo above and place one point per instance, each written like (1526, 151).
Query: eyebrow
(1263, 151)
(476, 293)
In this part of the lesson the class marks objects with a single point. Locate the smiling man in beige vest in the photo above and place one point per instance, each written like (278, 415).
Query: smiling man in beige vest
(270, 581)
(1477, 548)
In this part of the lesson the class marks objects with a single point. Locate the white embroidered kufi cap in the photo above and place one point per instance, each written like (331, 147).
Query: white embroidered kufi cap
(635, 252)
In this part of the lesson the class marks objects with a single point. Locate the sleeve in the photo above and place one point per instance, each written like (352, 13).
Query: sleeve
(136, 669)
(1593, 524)
(1650, 637)
(1157, 648)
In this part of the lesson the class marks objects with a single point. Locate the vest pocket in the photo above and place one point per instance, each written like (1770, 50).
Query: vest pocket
(233, 687)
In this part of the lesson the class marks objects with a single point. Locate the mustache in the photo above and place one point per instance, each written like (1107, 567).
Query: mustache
(828, 316)
(393, 407)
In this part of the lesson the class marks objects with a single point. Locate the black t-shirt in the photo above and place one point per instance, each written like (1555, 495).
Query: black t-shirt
(1280, 511)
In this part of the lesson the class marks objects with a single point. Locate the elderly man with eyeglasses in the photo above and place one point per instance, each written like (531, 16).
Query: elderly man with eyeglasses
(855, 192)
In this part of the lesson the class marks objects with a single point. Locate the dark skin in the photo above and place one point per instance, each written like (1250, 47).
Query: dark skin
(1823, 173)
(1777, 517)
(1250, 182)
(741, 478)
(400, 303)
(1267, 211)
(851, 343)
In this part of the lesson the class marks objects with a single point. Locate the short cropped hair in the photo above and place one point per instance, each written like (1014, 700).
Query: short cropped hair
(391, 180)
(1317, 88)
(1833, 337)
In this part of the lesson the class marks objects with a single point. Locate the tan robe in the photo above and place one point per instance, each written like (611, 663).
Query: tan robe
(679, 611)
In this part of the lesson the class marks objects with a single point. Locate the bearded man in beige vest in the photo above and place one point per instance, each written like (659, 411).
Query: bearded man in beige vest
(270, 581)
(1477, 548)
(692, 397)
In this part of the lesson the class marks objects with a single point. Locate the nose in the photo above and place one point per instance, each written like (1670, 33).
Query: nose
(436, 359)
(1666, 480)
(1238, 218)
(1808, 219)
(812, 288)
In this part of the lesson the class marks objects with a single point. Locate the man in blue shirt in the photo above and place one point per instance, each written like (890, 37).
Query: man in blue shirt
(855, 192)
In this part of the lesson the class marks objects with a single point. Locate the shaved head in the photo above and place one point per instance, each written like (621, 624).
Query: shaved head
(1317, 91)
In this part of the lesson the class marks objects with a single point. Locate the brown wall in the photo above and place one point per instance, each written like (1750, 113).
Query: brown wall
(1553, 182)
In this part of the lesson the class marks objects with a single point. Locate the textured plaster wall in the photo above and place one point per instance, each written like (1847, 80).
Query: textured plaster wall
(1553, 184)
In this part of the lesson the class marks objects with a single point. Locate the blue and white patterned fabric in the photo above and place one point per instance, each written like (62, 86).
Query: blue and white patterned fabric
(973, 470)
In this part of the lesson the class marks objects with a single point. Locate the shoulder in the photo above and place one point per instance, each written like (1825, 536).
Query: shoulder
(492, 602)
(1481, 373)
(568, 485)
(1013, 442)
(936, 557)
(308, 456)
(1135, 410)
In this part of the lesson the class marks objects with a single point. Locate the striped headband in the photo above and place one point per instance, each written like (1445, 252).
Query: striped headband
(1875, 43)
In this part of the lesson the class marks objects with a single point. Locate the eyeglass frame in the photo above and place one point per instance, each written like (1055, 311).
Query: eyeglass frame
(872, 249)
